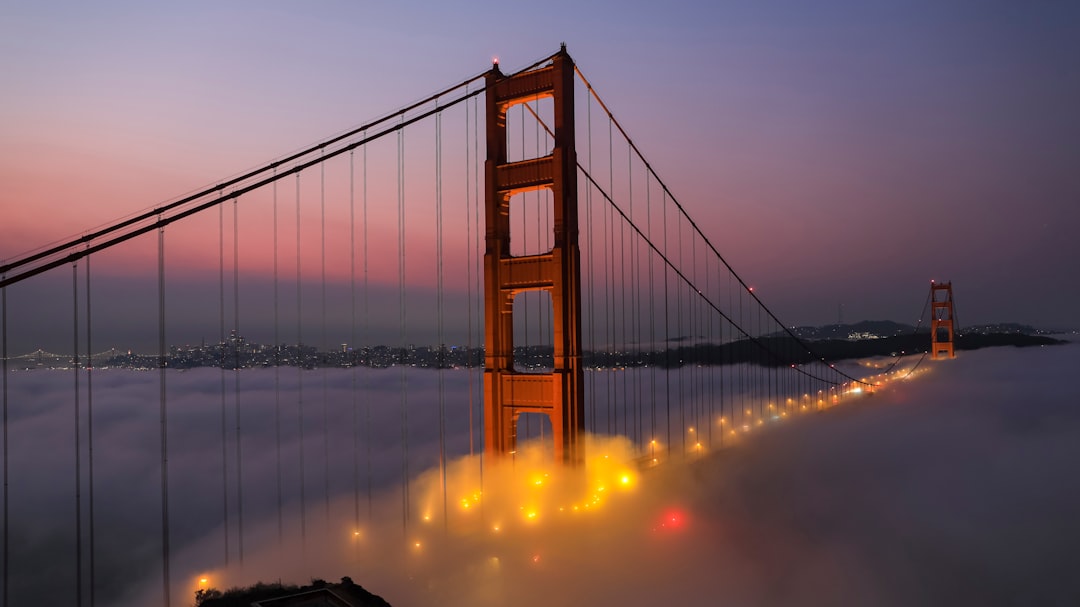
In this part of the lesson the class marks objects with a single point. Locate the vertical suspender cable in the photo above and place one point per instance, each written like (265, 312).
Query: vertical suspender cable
(693, 301)
(696, 369)
(694, 332)
(524, 299)
(690, 364)
(403, 355)
(7, 488)
(545, 309)
(468, 273)
(687, 365)
(704, 328)
(90, 432)
(667, 332)
(752, 368)
(725, 368)
(524, 248)
(680, 333)
(624, 302)
(613, 421)
(477, 260)
(694, 298)
(541, 220)
(702, 320)
(709, 362)
(608, 280)
(764, 387)
(162, 363)
(221, 363)
(440, 361)
(277, 373)
(762, 383)
(632, 337)
(353, 351)
(549, 228)
(652, 318)
(323, 345)
(592, 268)
(541, 242)
(704, 404)
(300, 362)
(744, 358)
(768, 371)
(367, 407)
(236, 382)
(78, 431)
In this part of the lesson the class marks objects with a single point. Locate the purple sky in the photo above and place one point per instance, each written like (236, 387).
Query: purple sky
(835, 152)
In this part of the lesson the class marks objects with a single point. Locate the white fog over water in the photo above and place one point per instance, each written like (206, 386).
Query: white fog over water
(955, 487)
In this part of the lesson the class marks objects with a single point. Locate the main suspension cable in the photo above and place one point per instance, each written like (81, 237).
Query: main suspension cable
(682, 275)
(159, 212)
(694, 225)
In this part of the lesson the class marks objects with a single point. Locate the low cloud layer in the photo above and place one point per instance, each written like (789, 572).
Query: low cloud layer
(956, 487)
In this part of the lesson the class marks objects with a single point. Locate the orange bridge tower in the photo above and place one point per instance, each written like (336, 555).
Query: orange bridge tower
(941, 323)
(508, 393)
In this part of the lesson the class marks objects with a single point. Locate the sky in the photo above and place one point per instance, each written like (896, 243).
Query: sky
(836, 153)
(953, 486)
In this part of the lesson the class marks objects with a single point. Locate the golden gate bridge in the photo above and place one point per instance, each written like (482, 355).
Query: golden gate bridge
(508, 221)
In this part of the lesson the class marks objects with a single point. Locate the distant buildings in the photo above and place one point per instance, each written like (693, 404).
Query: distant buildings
(236, 352)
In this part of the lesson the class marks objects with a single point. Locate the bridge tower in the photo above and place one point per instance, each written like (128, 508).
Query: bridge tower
(508, 393)
(941, 324)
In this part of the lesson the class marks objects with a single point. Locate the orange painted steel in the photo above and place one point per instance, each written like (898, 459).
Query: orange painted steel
(509, 393)
(941, 324)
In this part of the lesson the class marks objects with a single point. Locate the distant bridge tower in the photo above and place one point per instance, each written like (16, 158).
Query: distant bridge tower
(941, 325)
(507, 393)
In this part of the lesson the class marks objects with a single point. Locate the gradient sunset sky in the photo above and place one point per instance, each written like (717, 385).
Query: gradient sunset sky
(835, 152)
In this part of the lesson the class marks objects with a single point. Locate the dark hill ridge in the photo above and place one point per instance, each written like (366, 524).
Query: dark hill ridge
(319, 593)
(880, 328)
(888, 328)
(783, 350)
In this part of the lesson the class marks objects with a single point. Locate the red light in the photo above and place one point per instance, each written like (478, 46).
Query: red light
(671, 520)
